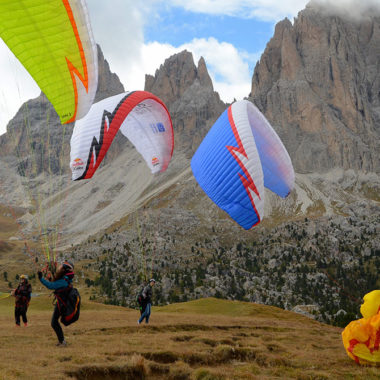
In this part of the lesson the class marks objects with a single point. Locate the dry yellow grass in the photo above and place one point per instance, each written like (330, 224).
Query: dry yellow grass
(204, 339)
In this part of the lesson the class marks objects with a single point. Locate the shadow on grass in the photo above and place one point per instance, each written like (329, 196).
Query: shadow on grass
(135, 370)
(181, 327)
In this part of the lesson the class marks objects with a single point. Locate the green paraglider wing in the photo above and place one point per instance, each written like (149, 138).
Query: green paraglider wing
(54, 42)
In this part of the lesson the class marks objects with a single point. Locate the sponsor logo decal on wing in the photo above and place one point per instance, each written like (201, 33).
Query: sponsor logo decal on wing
(157, 128)
(77, 164)
(155, 161)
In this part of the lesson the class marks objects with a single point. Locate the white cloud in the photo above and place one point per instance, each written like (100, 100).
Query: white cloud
(118, 27)
(17, 86)
(151, 56)
(228, 69)
(353, 9)
(121, 37)
(268, 10)
(131, 58)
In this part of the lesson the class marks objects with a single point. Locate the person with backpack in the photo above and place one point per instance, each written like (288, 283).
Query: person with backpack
(22, 294)
(140, 301)
(61, 284)
(146, 301)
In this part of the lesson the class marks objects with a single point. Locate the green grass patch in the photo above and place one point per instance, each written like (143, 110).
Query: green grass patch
(225, 307)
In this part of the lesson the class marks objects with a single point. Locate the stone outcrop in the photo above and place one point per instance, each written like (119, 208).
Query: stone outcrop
(318, 83)
(188, 92)
(108, 83)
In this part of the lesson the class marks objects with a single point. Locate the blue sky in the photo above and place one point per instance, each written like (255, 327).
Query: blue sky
(177, 26)
(249, 36)
(137, 36)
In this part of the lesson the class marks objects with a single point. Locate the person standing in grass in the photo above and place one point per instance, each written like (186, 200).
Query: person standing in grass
(61, 284)
(23, 294)
(147, 301)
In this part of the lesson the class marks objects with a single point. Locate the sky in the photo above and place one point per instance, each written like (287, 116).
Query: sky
(136, 37)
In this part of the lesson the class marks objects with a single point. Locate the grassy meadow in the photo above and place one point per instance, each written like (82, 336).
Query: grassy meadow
(203, 339)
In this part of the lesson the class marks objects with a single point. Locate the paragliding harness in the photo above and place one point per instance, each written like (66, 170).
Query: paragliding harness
(140, 300)
(22, 294)
(68, 303)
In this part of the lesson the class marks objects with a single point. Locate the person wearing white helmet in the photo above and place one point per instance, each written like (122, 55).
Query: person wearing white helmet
(22, 294)
(147, 301)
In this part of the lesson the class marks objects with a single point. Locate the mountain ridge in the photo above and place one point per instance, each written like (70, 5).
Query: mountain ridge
(325, 231)
(318, 83)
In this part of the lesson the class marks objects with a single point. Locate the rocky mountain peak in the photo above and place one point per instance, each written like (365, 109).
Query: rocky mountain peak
(108, 82)
(203, 75)
(176, 75)
(319, 85)
(188, 92)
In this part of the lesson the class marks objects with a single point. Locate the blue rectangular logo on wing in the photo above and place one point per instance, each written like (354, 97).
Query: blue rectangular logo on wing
(160, 127)
(157, 128)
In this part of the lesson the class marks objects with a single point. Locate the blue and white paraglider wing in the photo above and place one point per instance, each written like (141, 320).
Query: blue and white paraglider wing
(227, 167)
(239, 156)
(276, 163)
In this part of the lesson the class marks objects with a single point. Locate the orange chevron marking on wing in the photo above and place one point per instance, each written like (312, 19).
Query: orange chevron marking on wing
(73, 70)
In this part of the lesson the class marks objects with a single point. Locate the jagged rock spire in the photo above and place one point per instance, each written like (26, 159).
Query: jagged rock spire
(188, 92)
(318, 83)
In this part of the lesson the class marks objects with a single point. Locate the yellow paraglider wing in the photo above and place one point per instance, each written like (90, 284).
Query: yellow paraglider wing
(361, 338)
(53, 40)
(371, 304)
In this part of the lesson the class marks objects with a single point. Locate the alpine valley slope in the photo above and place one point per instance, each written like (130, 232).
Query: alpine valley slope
(317, 252)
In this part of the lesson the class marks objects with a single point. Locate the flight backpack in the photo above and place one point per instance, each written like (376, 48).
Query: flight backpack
(140, 299)
(68, 303)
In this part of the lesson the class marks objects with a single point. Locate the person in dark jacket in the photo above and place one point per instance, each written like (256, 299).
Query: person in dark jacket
(147, 301)
(23, 294)
(61, 283)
